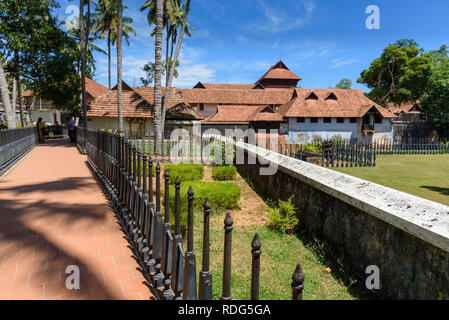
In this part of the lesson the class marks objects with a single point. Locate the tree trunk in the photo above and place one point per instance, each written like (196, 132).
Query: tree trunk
(119, 67)
(83, 42)
(173, 66)
(158, 76)
(109, 59)
(19, 96)
(10, 114)
(14, 96)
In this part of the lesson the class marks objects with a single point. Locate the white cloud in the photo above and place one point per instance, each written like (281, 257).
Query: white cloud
(189, 75)
(276, 21)
(339, 62)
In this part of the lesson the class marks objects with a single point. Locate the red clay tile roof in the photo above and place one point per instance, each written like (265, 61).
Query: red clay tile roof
(349, 104)
(241, 113)
(95, 89)
(28, 93)
(136, 102)
(406, 107)
(236, 97)
(183, 112)
(224, 86)
(279, 71)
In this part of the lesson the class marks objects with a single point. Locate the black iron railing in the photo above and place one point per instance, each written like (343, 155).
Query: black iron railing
(124, 167)
(14, 144)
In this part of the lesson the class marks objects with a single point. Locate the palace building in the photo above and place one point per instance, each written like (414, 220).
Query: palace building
(272, 102)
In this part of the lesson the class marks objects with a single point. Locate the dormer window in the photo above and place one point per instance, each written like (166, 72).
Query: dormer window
(312, 96)
(331, 96)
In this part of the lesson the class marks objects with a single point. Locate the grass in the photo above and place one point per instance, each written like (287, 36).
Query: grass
(280, 254)
(425, 176)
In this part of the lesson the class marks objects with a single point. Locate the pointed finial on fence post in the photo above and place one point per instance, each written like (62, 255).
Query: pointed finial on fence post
(177, 206)
(226, 295)
(190, 198)
(255, 268)
(158, 187)
(205, 290)
(167, 196)
(297, 283)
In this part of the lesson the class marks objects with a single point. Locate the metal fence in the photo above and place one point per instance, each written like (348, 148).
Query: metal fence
(14, 144)
(349, 154)
(121, 164)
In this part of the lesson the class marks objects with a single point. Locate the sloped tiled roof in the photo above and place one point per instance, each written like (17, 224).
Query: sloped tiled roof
(224, 86)
(95, 89)
(279, 71)
(183, 112)
(236, 97)
(406, 107)
(241, 113)
(349, 104)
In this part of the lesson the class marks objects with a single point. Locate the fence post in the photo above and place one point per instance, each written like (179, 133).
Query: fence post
(205, 290)
(297, 283)
(167, 242)
(226, 294)
(190, 289)
(255, 267)
(177, 260)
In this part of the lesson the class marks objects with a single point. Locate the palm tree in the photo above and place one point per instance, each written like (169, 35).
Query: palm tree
(159, 20)
(119, 65)
(106, 25)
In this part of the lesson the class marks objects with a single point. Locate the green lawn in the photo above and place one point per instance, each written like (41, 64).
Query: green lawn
(425, 176)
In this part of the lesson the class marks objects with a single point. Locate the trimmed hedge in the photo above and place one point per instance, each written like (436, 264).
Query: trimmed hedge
(222, 196)
(185, 172)
(224, 173)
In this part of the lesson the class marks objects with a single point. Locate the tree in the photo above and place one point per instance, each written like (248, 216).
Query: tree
(399, 74)
(344, 84)
(435, 98)
(106, 26)
(10, 113)
(149, 70)
(35, 51)
(158, 76)
(119, 65)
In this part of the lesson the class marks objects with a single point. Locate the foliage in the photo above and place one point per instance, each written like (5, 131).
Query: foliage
(225, 173)
(399, 74)
(285, 217)
(316, 147)
(222, 196)
(34, 46)
(149, 70)
(329, 150)
(185, 172)
(435, 99)
(344, 84)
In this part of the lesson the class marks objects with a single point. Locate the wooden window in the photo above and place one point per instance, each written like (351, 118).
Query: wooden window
(340, 120)
(201, 107)
(300, 120)
(313, 120)
(327, 120)
(353, 120)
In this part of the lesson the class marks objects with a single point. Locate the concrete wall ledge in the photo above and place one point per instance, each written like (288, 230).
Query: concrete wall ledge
(424, 219)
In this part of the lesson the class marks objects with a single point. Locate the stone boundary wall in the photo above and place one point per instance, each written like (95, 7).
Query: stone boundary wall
(364, 223)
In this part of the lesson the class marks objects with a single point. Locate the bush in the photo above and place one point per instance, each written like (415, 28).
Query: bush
(284, 218)
(316, 147)
(224, 173)
(185, 172)
(222, 196)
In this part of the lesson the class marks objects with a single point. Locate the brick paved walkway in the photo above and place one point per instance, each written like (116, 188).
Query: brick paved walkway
(53, 214)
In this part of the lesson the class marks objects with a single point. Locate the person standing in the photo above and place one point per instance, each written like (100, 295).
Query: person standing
(71, 125)
(40, 130)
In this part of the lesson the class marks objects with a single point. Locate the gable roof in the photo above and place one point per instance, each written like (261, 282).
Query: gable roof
(406, 107)
(242, 113)
(223, 86)
(279, 71)
(236, 97)
(95, 89)
(350, 104)
(183, 111)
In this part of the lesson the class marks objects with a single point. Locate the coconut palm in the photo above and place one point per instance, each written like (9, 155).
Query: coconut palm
(106, 26)
(10, 113)
(119, 64)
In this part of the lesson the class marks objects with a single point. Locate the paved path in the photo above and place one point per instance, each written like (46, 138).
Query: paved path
(53, 214)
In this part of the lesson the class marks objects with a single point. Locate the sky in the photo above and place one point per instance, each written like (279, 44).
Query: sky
(237, 41)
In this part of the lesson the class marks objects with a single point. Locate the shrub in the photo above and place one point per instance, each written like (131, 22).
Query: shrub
(284, 218)
(185, 172)
(313, 147)
(224, 173)
(222, 196)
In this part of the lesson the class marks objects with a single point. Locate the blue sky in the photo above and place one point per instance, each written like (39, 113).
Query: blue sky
(322, 41)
